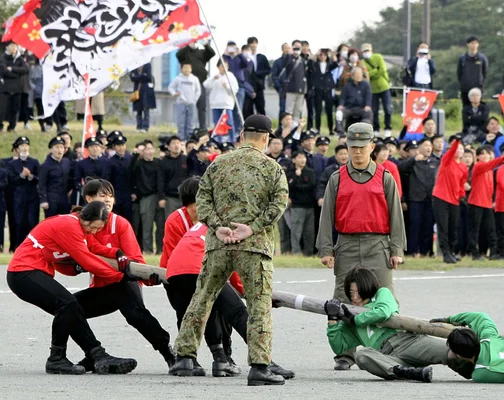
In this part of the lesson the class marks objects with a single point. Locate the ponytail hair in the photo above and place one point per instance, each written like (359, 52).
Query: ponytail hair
(94, 211)
(94, 186)
(76, 209)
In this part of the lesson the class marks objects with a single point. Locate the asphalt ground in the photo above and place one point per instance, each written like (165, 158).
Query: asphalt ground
(300, 344)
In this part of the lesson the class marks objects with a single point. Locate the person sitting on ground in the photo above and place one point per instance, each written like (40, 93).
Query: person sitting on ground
(475, 115)
(355, 101)
(387, 353)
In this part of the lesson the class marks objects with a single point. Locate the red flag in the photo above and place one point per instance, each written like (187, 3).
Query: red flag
(418, 105)
(88, 130)
(501, 101)
(221, 127)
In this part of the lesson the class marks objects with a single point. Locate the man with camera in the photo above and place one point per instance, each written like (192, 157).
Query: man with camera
(421, 68)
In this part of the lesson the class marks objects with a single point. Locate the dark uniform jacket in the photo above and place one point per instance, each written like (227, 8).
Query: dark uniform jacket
(23, 185)
(195, 167)
(472, 71)
(11, 81)
(301, 187)
(421, 177)
(89, 167)
(319, 163)
(173, 172)
(322, 182)
(118, 173)
(145, 178)
(53, 180)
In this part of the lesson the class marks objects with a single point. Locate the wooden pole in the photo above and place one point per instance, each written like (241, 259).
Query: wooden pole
(143, 271)
(397, 321)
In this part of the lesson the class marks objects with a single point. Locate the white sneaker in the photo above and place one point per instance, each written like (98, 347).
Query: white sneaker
(143, 131)
(48, 128)
(376, 133)
(65, 128)
(27, 127)
(388, 133)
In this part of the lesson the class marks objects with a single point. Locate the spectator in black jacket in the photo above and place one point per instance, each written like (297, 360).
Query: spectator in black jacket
(301, 200)
(278, 76)
(198, 58)
(355, 100)
(341, 157)
(173, 172)
(295, 84)
(421, 68)
(12, 69)
(197, 161)
(420, 172)
(261, 70)
(322, 85)
(472, 69)
(144, 175)
(475, 115)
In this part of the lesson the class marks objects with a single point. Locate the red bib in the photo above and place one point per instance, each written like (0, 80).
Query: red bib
(362, 207)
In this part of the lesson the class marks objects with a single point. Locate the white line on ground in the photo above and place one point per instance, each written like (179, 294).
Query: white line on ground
(424, 278)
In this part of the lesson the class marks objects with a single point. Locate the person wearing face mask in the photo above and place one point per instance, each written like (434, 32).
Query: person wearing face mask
(322, 84)
(353, 60)
(421, 68)
(380, 86)
(260, 72)
(472, 69)
(23, 176)
(494, 137)
(295, 84)
(278, 76)
(237, 64)
(92, 166)
(53, 180)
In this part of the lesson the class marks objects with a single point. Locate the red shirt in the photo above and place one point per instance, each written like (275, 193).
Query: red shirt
(116, 234)
(362, 207)
(499, 190)
(451, 177)
(57, 239)
(176, 225)
(394, 171)
(482, 183)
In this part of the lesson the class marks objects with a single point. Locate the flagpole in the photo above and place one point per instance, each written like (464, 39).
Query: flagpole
(240, 113)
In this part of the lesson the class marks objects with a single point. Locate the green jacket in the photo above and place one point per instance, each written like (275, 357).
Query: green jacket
(489, 366)
(378, 74)
(247, 187)
(343, 337)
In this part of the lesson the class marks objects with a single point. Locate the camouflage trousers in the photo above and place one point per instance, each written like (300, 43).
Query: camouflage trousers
(256, 273)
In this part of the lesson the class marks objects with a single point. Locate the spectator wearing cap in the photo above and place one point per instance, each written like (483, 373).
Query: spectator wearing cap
(380, 87)
(472, 69)
(393, 146)
(143, 82)
(9, 199)
(101, 135)
(494, 137)
(438, 145)
(355, 101)
(53, 180)
(295, 84)
(198, 55)
(362, 202)
(92, 166)
(222, 86)
(174, 171)
(118, 173)
(111, 137)
(145, 173)
(421, 68)
(420, 172)
(67, 137)
(136, 220)
(319, 159)
(278, 76)
(227, 147)
(307, 146)
(198, 162)
(23, 174)
(237, 64)
(475, 116)
(322, 84)
(302, 184)
(12, 70)
(187, 89)
(260, 72)
(214, 147)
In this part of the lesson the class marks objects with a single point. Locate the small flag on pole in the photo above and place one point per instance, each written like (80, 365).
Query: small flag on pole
(221, 127)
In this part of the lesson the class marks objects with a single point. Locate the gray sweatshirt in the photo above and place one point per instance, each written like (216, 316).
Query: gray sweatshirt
(188, 87)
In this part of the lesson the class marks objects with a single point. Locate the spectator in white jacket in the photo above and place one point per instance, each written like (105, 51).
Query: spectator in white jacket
(222, 101)
(186, 87)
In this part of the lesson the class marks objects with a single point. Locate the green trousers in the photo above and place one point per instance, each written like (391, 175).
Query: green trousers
(407, 349)
(256, 273)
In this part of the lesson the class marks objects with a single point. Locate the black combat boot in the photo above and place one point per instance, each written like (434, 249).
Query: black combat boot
(168, 355)
(278, 370)
(184, 366)
(414, 374)
(107, 364)
(88, 363)
(448, 258)
(260, 375)
(221, 366)
(198, 370)
(57, 363)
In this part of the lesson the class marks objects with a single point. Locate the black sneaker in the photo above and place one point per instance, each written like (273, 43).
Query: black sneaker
(342, 365)
(278, 370)
(414, 374)
(263, 376)
(449, 259)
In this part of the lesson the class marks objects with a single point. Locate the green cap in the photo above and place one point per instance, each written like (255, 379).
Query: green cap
(359, 134)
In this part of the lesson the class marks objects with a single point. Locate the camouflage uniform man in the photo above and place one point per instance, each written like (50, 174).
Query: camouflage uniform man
(362, 202)
(247, 190)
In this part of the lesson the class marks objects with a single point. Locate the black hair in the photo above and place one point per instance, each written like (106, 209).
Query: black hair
(188, 190)
(487, 148)
(148, 141)
(139, 144)
(428, 118)
(493, 118)
(275, 138)
(305, 43)
(297, 153)
(469, 151)
(366, 281)
(244, 47)
(94, 211)
(340, 147)
(379, 147)
(219, 63)
(338, 49)
(77, 145)
(94, 186)
(295, 41)
(185, 62)
(436, 137)
(464, 343)
(251, 40)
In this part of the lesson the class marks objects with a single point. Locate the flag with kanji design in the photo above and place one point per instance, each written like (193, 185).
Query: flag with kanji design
(105, 38)
(221, 127)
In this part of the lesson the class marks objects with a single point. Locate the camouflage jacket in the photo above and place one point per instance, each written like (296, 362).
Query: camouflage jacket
(247, 187)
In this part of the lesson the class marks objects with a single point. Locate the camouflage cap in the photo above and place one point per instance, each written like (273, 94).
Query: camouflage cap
(359, 134)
